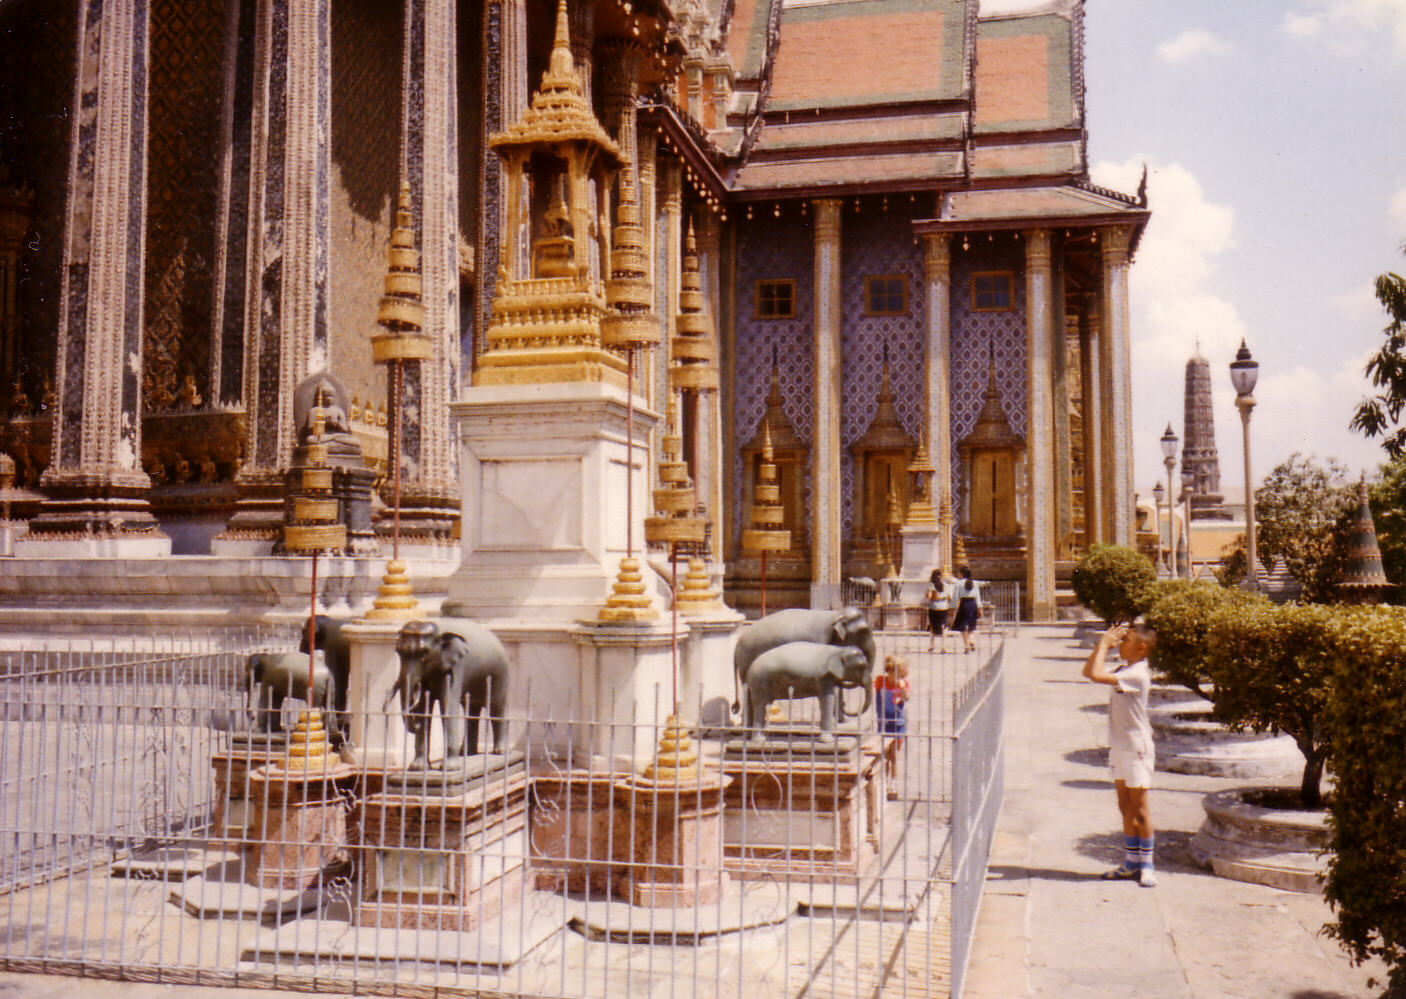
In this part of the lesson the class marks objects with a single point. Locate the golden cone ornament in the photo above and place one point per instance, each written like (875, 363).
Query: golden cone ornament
(676, 758)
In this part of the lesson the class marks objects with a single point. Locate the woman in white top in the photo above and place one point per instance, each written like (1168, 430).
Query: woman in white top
(968, 594)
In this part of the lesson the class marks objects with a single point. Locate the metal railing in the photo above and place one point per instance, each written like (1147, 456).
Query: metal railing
(144, 836)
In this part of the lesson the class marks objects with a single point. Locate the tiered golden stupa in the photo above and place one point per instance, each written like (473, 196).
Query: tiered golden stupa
(694, 366)
(766, 534)
(312, 529)
(401, 314)
(547, 323)
(676, 759)
(675, 523)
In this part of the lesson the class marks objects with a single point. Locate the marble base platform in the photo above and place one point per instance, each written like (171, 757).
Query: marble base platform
(234, 811)
(443, 861)
(1268, 846)
(802, 814)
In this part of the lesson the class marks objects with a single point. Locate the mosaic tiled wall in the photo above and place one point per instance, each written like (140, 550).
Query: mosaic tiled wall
(366, 83)
(975, 333)
(37, 48)
(187, 78)
(874, 243)
(772, 249)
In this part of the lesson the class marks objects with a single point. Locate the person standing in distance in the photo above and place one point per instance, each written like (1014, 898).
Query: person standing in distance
(1130, 751)
(968, 593)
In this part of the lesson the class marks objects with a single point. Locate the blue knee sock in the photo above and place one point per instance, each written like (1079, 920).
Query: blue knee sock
(1144, 850)
(1131, 854)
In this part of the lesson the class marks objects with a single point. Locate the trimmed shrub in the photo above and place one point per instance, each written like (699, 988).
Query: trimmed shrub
(1112, 581)
(1272, 668)
(1366, 714)
(1183, 611)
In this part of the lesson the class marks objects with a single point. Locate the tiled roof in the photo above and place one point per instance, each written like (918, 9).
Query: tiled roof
(868, 52)
(848, 171)
(1025, 204)
(1025, 71)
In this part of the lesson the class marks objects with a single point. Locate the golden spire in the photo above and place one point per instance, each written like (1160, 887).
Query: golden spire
(673, 500)
(766, 533)
(676, 758)
(401, 311)
(693, 352)
(628, 291)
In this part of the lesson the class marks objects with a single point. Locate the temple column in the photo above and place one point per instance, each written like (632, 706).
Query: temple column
(582, 17)
(671, 207)
(286, 331)
(504, 100)
(709, 487)
(825, 435)
(1091, 387)
(1114, 246)
(1063, 454)
(1039, 434)
(430, 151)
(96, 489)
(937, 273)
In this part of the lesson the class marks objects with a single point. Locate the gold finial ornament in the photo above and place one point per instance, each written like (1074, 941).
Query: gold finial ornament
(674, 501)
(402, 310)
(308, 748)
(629, 600)
(697, 596)
(766, 533)
(394, 599)
(920, 473)
(693, 351)
(628, 291)
(311, 525)
(676, 759)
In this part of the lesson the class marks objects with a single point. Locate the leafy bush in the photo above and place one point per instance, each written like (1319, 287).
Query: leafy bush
(1183, 612)
(1272, 668)
(1112, 581)
(1366, 714)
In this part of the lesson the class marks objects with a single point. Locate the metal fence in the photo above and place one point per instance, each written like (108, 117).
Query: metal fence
(146, 834)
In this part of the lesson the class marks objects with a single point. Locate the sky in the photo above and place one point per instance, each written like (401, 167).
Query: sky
(1275, 138)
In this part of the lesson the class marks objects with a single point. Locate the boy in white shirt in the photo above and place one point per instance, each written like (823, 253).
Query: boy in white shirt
(1130, 752)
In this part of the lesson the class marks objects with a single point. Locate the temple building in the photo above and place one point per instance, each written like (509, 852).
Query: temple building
(865, 230)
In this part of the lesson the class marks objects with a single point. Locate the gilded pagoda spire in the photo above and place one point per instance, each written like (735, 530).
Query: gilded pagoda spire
(1364, 580)
(693, 351)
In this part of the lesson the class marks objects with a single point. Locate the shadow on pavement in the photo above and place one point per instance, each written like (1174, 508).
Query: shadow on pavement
(1318, 994)
(1088, 757)
(1173, 850)
(1059, 659)
(1088, 785)
(1014, 872)
(1101, 708)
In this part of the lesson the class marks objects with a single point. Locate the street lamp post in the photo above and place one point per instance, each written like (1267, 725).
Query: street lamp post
(1169, 458)
(1244, 372)
(1159, 493)
(1188, 486)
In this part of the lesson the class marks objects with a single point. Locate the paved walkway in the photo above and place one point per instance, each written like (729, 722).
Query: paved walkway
(1050, 928)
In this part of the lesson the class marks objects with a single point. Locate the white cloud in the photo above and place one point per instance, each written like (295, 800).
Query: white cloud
(1358, 302)
(1352, 26)
(1194, 43)
(1396, 208)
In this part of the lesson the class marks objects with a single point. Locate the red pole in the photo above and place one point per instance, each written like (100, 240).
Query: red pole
(399, 385)
(674, 628)
(312, 628)
(630, 451)
(763, 582)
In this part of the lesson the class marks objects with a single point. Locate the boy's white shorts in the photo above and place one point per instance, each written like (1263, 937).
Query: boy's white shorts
(1133, 769)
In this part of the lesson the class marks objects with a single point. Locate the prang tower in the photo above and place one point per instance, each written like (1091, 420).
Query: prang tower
(1200, 451)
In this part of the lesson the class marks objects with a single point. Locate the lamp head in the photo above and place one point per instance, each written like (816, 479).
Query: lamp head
(1244, 371)
(1159, 492)
(1169, 444)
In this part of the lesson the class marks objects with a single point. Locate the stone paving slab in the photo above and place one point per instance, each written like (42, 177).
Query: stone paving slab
(1048, 927)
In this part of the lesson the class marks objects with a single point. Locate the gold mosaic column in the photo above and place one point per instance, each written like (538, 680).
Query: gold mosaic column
(710, 447)
(95, 482)
(1039, 435)
(825, 437)
(1091, 388)
(937, 273)
(1114, 245)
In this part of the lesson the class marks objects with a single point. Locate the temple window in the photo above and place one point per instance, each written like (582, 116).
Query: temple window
(991, 291)
(886, 295)
(776, 300)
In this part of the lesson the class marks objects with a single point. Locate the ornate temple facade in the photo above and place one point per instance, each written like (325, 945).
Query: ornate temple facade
(866, 228)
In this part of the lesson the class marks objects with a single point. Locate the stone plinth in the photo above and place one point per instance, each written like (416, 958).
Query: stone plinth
(234, 809)
(544, 490)
(674, 841)
(921, 551)
(574, 830)
(705, 667)
(1244, 841)
(444, 862)
(299, 832)
(797, 809)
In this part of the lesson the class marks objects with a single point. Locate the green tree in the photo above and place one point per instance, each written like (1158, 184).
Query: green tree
(1273, 670)
(1366, 882)
(1183, 611)
(1303, 511)
(1380, 415)
(1112, 581)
